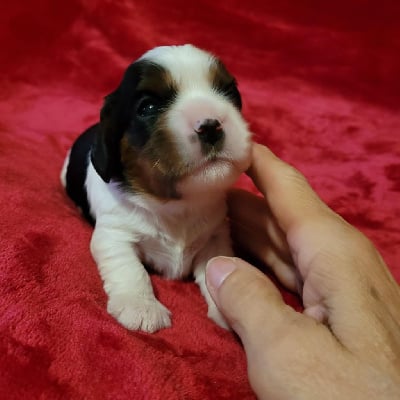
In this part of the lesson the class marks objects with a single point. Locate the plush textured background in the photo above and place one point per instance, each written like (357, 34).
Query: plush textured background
(320, 84)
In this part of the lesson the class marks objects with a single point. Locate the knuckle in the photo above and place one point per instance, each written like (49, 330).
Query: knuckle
(245, 296)
(355, 240)
(295, 176)
(246, 288)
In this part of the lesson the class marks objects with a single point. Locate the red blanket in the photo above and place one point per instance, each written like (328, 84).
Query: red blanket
(320, 85)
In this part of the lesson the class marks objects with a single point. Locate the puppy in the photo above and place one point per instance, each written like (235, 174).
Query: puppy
(152, 176)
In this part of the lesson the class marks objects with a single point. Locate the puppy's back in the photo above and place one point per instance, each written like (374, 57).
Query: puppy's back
(76, 170)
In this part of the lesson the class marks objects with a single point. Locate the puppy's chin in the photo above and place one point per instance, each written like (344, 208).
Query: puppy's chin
(212, 177)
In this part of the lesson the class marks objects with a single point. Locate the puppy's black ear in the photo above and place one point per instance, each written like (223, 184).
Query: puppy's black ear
(115, 118)
(105, 153)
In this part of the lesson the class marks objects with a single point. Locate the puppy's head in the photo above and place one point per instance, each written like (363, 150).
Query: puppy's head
(173, 126)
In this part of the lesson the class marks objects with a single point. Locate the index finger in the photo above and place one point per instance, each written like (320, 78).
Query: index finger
(289, 195)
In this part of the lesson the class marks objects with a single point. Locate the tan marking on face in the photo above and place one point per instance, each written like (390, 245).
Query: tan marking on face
(156, 168)
(156, 80)
(218, 75)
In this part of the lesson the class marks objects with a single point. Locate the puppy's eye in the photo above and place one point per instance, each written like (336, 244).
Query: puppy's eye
(147, 107)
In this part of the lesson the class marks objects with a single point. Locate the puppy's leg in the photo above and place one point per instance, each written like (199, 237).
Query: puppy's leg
(131, 298)
(218, 245)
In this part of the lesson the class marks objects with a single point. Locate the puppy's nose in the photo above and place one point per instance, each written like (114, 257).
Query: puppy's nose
(209, 131)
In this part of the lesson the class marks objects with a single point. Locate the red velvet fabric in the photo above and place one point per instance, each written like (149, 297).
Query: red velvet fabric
(320, 85)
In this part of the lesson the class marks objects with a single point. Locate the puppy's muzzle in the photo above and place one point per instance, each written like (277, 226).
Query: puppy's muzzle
(210, 131)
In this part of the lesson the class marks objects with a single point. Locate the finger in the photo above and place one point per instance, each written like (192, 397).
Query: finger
(258, 245)
(251, 211)
(342, 275)
(309, 225)
(281, 345)
(249, 301)
(290, 197)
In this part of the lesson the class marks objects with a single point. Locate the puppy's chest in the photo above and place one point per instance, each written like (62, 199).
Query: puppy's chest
(172, 252)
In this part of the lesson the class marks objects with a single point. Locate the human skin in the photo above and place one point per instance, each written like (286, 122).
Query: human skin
(346, 342)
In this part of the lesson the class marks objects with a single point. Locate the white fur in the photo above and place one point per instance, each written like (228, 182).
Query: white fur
(176, 237)
(63, 175)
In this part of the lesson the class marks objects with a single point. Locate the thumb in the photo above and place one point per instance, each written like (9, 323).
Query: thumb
(249, 301)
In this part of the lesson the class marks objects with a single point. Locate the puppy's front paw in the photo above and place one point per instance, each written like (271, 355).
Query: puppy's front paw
(217, 317)
(139, 313)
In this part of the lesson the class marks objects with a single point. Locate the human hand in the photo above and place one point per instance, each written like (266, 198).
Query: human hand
(346, 343)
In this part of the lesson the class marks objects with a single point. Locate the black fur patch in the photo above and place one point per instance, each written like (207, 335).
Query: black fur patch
(77, 170)
(224, 83)
(120, 117)
(120, 114)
